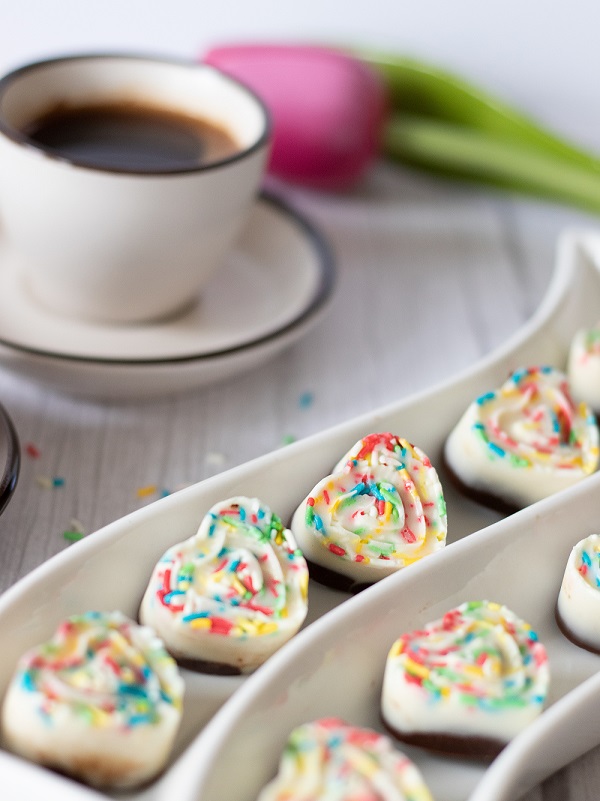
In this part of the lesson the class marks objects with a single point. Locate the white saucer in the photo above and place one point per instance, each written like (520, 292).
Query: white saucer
(272, 289)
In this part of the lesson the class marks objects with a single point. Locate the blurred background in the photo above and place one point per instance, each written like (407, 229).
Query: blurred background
(541, 56)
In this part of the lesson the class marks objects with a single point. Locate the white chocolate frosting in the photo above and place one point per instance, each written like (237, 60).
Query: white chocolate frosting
(381, 509)
(584, 366)
(526, 440)
(233, 593)
(579, 596)
(330, 760)
(477, 672)
(100, 701)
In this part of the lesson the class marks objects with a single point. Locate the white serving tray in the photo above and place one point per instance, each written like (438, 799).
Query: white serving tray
(109, 570)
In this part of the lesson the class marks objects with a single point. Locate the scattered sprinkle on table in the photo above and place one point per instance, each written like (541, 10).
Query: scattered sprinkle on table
(32, 451)
(73, 536)
(145, 492)
(215, 458)
(306, 400)
(50, 482)
(75, 532)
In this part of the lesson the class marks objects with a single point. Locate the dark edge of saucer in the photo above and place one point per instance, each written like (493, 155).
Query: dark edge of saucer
(566, 632)
(11, 468)
(480, 749)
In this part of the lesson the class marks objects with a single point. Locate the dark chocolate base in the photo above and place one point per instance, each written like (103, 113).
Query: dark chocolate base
(481, 749)
(566, 632)
(204, 666)
(482, 497)
(336, 581)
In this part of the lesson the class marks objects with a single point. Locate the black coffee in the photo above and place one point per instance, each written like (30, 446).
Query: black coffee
(131, 137)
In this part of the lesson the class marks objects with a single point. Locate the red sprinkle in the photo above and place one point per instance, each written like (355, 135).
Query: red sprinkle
(31, 450)
(336, 549)
(219, 625)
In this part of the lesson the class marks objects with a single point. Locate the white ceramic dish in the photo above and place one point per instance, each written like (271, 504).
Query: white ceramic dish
(9, 458)
(109, 570)
(272, 289)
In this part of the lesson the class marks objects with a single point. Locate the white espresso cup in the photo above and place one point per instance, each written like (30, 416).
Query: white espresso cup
(112, 237)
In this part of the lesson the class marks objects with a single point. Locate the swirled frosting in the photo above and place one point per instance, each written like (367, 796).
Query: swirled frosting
(578, 606)
(101, 701)
(234, 592)
(479, 671)
(584, 366)
(333, 761)
(524, 441)
(381, 509)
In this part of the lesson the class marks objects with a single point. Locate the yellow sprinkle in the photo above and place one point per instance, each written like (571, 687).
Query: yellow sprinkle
(417, 670)
(144, 492)
(99, 717)
(266, 628)
(200, 623)
(237, 585)
(364, 765)
(397, 648)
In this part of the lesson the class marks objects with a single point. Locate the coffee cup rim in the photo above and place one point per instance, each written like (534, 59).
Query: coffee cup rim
(19, 138)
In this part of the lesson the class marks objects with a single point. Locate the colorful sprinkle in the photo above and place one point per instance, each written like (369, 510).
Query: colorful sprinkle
(382, 506)
(479, 655)
(241, 576)
(347, 763)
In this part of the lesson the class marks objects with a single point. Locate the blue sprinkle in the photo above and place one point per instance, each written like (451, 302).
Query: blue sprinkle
(318, 523)
(585, 558)
(138, 720)
(132, 689)
(518, 375)
(485, 398)
(497, 449)
(27, 682)
(193, 616)
(170, 595)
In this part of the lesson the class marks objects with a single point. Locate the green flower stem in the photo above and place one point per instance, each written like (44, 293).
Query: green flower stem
(459, 152)
(444, 124)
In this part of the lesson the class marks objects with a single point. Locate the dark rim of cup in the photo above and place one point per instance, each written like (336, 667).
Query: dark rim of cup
(20, 138)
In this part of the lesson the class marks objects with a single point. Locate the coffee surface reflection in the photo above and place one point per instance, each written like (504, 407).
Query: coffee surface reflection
(131, 137)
